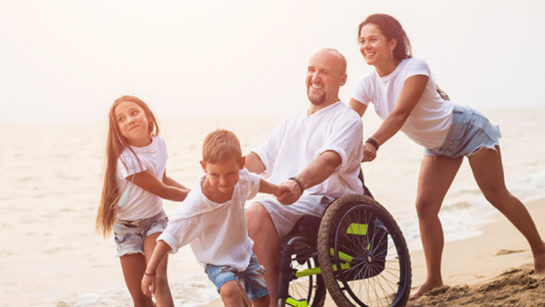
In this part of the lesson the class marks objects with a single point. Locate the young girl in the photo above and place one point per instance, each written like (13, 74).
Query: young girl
(406, 97)
(135, 182)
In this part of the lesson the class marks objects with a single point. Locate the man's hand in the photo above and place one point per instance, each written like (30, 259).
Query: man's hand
(148, 285)
(291, 191)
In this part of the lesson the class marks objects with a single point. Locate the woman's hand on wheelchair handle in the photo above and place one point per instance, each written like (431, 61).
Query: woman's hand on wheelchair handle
(369, 153)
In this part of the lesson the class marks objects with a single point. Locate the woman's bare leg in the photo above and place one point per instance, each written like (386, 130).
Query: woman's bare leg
(436, 176)
(487, 168)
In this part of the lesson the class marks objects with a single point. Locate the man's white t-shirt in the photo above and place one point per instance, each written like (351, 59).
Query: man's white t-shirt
(430, 120)
(216, 232)
(141, 203)
(300, 138)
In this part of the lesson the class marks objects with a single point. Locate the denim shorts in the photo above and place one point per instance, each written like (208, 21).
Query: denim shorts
(469, 132)
(251, 279)
(129, 235)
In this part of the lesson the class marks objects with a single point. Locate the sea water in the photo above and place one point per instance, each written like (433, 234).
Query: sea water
(50, 185)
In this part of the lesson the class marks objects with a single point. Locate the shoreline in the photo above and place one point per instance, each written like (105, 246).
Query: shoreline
(486, 268)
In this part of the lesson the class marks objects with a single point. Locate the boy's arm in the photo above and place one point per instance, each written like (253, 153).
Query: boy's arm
(271, 188)
(148, 281)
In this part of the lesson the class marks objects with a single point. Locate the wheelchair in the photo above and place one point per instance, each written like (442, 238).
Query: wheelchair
(356, 252)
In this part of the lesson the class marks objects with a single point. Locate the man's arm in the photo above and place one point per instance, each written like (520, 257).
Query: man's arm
(254, 163)
(315, 173)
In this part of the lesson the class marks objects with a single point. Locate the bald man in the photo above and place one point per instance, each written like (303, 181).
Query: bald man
(316, 152)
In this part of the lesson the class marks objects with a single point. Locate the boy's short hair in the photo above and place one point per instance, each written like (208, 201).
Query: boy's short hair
(220, 146)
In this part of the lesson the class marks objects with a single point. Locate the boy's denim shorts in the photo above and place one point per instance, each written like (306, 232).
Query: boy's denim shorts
(129, 235)
(469, 132)
(251, 279)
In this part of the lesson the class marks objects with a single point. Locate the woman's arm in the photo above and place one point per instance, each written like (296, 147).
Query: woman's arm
(358, 106)
(412, 91)
(150, 183)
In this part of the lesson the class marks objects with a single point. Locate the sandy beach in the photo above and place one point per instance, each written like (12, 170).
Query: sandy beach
(493, 269)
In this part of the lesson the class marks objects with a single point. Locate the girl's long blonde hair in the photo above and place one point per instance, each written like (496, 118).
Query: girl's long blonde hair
(106, 214)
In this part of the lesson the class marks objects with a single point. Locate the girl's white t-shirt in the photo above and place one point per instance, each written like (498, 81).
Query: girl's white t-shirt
(430, 120)
(141, 203)
(217, 232)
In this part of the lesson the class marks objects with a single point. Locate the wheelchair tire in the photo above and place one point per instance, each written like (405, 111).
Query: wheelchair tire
(311, 288)
(380, 272)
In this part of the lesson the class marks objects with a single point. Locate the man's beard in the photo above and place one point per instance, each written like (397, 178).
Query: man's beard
(316, 99)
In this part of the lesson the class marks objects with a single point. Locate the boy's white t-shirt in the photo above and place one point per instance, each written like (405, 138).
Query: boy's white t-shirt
(217, 232)
(141, 203)
(430, 120)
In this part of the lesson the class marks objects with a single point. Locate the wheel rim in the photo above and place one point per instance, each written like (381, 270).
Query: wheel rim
(365, 280)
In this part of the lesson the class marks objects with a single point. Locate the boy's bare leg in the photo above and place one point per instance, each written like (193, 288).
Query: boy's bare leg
(230, 294)
(262, 301)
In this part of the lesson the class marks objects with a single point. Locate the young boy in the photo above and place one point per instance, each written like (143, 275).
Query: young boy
(212, 220)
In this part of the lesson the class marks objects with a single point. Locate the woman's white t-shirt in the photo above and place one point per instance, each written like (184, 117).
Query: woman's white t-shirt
(141, 203)
(430, 120)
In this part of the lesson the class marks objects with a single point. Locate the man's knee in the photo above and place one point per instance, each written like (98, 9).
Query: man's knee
(256, 216)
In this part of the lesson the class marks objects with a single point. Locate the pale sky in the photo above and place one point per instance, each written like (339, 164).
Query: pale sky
(67, 61)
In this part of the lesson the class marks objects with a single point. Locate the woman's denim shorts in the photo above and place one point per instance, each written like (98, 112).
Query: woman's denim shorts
(129, 235)
(469, 132)
(251, 279)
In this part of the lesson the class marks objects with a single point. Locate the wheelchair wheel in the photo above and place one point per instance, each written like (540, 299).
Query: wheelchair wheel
(311, 288)
(360, 236)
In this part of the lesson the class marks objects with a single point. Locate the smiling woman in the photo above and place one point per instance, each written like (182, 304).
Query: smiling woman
(406, 98)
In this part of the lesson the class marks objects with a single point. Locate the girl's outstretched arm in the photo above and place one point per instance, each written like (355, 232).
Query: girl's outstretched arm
(173, 183)
(150, 183)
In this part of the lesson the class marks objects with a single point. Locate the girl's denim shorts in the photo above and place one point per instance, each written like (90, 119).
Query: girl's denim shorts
(129, 235)
(469, 132)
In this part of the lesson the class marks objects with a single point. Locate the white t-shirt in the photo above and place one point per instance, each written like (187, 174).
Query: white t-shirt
(430, 120)
(141, 203)
(217, 232)
(300, 138)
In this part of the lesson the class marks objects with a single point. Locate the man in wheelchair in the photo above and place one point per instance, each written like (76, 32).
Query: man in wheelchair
(316, 152)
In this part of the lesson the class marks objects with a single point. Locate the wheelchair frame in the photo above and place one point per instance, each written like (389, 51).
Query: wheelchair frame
(375, 263)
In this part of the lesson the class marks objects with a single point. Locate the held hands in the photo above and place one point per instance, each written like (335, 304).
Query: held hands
(148, 285)
(369, 152)
(289, 192)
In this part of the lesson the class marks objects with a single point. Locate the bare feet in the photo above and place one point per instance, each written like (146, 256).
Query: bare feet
(539, 262)
(425, 288)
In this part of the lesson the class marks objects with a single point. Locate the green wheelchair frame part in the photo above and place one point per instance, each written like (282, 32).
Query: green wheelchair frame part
(354, 228)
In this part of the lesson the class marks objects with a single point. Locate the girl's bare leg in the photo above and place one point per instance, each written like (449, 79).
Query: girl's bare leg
(162, 291)
(133, 267)
(436, 176)
(487, 168)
